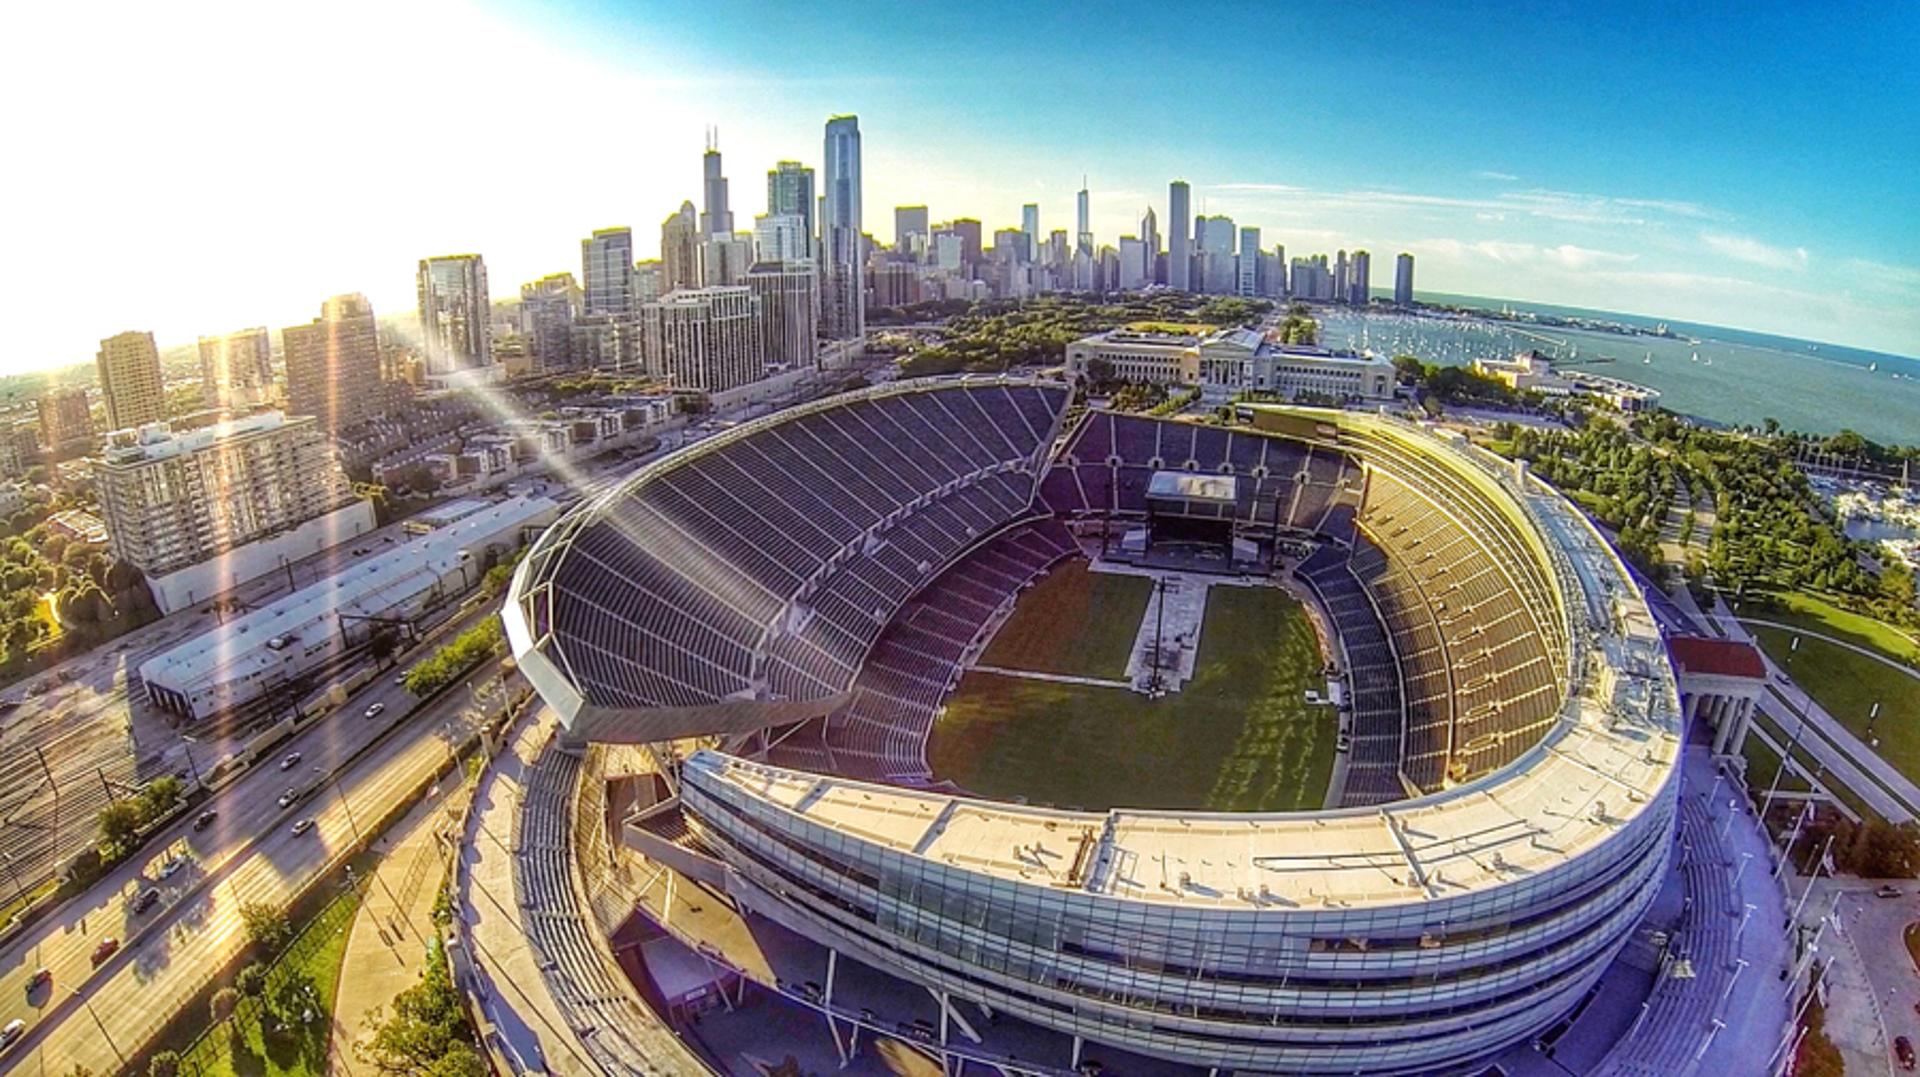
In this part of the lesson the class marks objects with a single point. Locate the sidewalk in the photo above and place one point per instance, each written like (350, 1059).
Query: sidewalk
(388, 946)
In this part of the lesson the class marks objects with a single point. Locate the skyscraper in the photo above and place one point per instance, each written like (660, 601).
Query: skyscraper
(909, 222)
(843, 298)
(547, 308)
(1150, 240)
(129, 369)
(1179, 255)
(1403, 280)
(65, 419)
(606, 265)
(456, 317)
(780, 237)
(1339, 277)
(1084, 242)
(788, 315)
(1360, 279)
(1030, 224)
(333, 364)
(968, 229)
(704, 338)
(1213, 241)
(680, 250)
(236, 370)
(1247, 280)
(790, 194)
(716, 218)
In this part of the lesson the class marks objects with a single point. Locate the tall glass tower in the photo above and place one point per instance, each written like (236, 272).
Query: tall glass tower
(843, 301)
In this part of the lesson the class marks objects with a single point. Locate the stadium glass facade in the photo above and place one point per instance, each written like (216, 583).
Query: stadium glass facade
(1395, 935)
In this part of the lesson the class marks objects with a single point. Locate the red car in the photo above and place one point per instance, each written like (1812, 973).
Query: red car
(106, 949)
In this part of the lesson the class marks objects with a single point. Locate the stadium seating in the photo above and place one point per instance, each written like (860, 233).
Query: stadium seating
(766, 564)
(882, 733)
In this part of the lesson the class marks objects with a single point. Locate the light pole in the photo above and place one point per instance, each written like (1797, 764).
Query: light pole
(102, 1025)
(19, 888)
(192, 767)
(334, 779)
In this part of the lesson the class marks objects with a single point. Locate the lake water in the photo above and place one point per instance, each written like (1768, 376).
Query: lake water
(1867, 529)
(1721, 375)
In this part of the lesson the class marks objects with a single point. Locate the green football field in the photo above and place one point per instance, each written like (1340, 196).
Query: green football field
(1238, 737)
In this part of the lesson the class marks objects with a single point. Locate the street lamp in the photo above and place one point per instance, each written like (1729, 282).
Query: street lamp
(102, 1025)
(334, 779)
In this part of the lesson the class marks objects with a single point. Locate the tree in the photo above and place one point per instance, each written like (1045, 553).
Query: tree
(267, 926)
(382, 644)
(163, 1064)
(252, 981)
(119, 824)
(223, 1003)
(427, 1030)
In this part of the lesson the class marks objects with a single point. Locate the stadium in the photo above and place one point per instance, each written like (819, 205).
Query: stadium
(773, 620)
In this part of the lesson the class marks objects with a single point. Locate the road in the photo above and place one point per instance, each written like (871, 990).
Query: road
(248, 854)
(78, 718)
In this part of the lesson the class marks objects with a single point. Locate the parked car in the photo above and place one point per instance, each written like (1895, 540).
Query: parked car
(401, 679)
(291, 760)
(205, 819)
(1342, 743)
(148, 899)
(172, 867)
(1886, 890)
(287, 798)
(302, 827)
(376, 710)
(15, 1029)
(1903, 1050)
(105, 950)
(40, 978)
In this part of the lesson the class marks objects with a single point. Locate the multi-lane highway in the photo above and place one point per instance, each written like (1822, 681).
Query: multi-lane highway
(248, 853)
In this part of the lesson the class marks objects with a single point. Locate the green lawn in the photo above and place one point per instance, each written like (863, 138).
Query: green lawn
(1848, 684)
(240, 1048)
(1074, 621)
(1818, 615)
(1238, 737)
(1763, 763)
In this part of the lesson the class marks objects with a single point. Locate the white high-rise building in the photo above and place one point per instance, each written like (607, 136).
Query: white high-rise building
(1135, 266)
(724, 259)
(606, 265)
(1084, 218)
(456, 319)
(843, 293)
(1150, 239)
(706, 339)
(1179, 254)
(175, 500)
(1248, 265)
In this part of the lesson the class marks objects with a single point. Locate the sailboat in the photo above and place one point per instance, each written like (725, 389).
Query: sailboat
(1649, 359)
(1696, 357)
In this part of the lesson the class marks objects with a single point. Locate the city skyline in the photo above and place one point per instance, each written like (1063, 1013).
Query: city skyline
(1818, 257)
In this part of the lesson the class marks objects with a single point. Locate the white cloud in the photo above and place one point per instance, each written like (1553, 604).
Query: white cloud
(1754, 252)
(1502, 177)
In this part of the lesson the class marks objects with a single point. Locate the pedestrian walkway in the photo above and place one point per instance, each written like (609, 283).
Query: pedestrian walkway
(388, 946)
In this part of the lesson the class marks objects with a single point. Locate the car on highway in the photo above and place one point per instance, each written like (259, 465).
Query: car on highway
(105, 950)
(15, 1029)
(40, 977)
(205, 819)
(288, 797)
(148, 899)
(302, 827)
(401, 680)
(376, 710)
(290, 760)
(1886, 890)
(173, 865)
(1903, 1050)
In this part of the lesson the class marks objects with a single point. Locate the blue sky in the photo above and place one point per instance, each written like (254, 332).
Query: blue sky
(1754, 168)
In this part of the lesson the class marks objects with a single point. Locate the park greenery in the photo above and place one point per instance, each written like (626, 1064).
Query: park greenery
(1298, 327)
(998, 335)
(426, 1032)
(125, 818)
(456, 657)
(97, 597)
(1772, 533)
